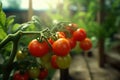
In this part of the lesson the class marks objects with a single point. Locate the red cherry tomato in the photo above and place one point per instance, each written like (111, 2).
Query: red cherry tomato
(38, 49)
(72, 42)
(53, 62)
(61, 34)
(18, 76)
(79, 34)
(43, 74)
(61, 47)
(86, 44)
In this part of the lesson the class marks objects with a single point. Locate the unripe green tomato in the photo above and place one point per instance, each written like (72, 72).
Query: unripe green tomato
(34, 72)
(46, 58)
(20, 55)
(63, 62)
(47, 65)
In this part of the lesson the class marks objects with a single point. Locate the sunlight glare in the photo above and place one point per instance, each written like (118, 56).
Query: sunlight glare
(40, 4)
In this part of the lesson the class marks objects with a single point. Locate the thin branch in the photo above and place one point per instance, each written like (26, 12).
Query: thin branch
(29, 32)
(11, 37)
(5, 41)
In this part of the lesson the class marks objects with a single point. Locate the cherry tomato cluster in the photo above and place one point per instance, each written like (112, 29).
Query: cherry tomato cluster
(58, 56)
(51, 51)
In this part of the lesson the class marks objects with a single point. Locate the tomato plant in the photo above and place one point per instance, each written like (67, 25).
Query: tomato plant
(79, 34)
(38, 49)
(20, 76)
(86, 44)
(61, 47)
(52, 47)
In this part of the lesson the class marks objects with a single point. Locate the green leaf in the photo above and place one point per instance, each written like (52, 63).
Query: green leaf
(36, 18)
(0, 6)
(31, 27)
(9, 20)
(2, 34)
(15, 27)
(2, 19)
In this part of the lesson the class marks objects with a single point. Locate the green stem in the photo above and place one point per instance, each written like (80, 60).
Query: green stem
(9, 65)
(11, 37)
(29, 32)
(5, 41)
(48, 43)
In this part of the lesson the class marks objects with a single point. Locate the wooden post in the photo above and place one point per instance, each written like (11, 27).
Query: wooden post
(64, 74)
(101, 53)
(100, 20)
(30, 12)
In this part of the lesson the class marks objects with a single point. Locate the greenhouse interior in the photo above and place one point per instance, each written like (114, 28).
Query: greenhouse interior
(59, 39)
